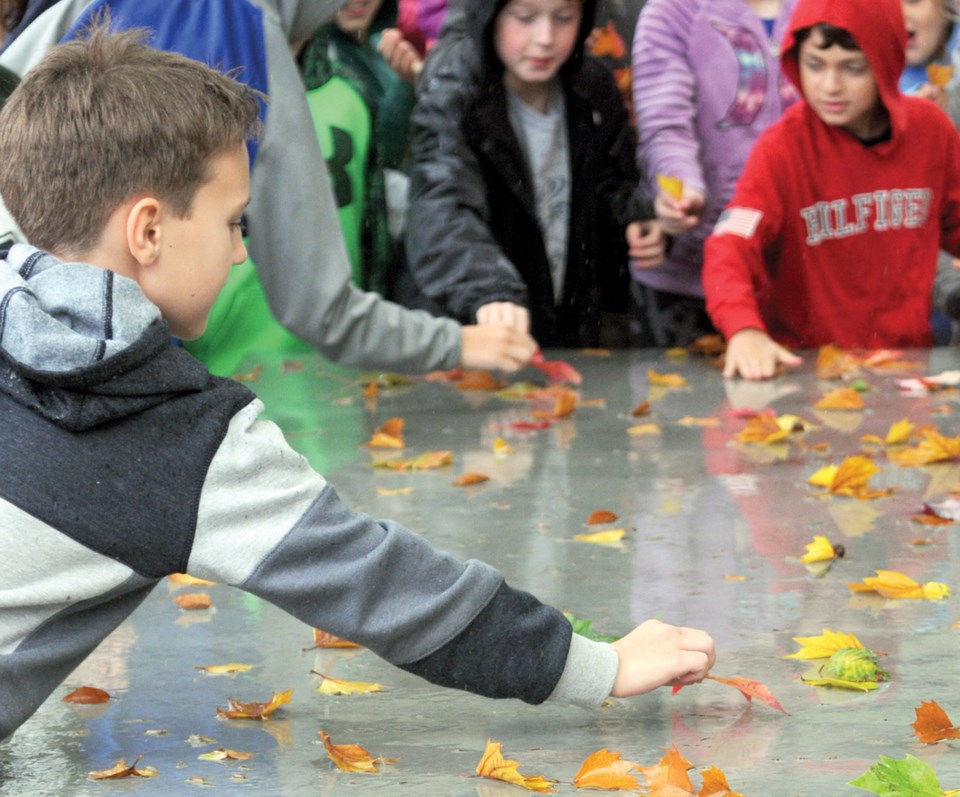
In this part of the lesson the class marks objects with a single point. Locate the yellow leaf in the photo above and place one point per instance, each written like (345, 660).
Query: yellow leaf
(606, 770)
(324, 639)
(431, 459)
(896, 585)
(382, 440)
(686, 420)
(763, 429)
(352, 757)
(823, 646)
(643, 429)
(843, 398)
(899, 432)
(665, 380)
(935, 448)
(225, 669)
(494, 765)
(502, 448)
(820, 550)
(862, 686)
(824, 476)
(602, 537)
(671, 186)
(849, 478)
(334, 686)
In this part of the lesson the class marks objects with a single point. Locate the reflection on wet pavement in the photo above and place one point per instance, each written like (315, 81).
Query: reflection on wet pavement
(714, 528)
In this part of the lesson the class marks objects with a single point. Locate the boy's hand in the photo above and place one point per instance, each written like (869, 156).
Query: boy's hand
(755, 355)
(656, 654)
(935, 93)
(496, 346)
(513, 315)
(400, 55)
(679, 215)
(645, 244)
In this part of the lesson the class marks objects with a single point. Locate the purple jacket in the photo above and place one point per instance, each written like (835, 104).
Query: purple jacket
(706, 82)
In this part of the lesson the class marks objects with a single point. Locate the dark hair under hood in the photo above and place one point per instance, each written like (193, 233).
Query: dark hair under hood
(878, 28)
(479, 16)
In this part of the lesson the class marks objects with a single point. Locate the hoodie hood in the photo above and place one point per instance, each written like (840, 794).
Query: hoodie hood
(300, 18)
(81, 345)
(878, 28)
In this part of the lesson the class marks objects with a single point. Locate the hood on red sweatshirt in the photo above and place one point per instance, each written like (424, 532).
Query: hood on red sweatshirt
(878, 28)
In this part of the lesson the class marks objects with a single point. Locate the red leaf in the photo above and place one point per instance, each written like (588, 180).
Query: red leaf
(748, 688)
(556, 370)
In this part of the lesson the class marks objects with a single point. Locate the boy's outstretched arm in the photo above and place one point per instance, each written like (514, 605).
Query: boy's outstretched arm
(656, 654)
(753, 354)
(499, 346)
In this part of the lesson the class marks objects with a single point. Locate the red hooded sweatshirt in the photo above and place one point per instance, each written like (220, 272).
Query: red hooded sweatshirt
(826, 239)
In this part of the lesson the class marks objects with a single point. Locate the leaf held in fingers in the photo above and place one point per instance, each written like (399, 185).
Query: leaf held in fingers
(556, 370)
(671, 186)
(939, 74)
(750, 689)
(352, 757)
(121, 770)
(606, 770)
(335, 686)
(254, 711)
(87, 695)
(932, 723)
(493, 765)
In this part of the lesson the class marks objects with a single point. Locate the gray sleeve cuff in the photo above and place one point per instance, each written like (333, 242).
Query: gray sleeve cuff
(588, 675)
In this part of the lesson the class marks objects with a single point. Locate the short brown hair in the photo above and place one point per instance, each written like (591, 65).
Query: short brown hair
(105, 118)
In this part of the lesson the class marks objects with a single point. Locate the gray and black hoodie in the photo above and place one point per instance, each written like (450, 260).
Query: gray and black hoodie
(142, 464)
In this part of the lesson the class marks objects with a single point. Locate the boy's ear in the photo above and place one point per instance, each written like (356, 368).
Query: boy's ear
(144, 228)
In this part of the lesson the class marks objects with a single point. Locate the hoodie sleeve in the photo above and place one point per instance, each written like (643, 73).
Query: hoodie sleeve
(267, 523)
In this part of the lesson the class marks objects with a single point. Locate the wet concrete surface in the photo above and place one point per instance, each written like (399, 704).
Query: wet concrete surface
(713, 531)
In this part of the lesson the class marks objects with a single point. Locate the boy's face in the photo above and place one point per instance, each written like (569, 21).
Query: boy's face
(199, 249)
(926, 29)
(533, 39)
(356, 16)
(840, 87)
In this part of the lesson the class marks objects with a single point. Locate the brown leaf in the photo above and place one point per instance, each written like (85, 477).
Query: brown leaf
(192, 600)
(708, 345)
(493, 765)
(643, 408)
(606, 770)
(933, 724)
(324, 639)
(87, 695)
(564, 404)
(393, 427)
(762, 429)
(715, 784)
(471, 477)
(601, 516)
(843, 398)
(479, 380)
(352, 757)
(254, 711)
(121, 770)
(249, 376)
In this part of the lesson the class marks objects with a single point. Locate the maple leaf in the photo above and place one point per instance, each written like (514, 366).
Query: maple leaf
(896, 585)
(935, 448)
(715, 784)
(121, 770)
(601, 516)
(87, 695)
(493, 765)
(823, 646)
(225, 754)
(565, 402)
(426, 461)
(606, 770)
(849, 478)
(843, 398)
(324, 639)
(555, 370)
(932, 723)
(669, 773)
(833, 362)
(762, 429)
(666, 380)
(254, 711)
(898, 432)
(602, 537)
(224, 669)
(335, 686)
(181, 579)
(747, 687)
(820, 550)
(192, 600)
(910, 777)
(471, 477)
(352, 757)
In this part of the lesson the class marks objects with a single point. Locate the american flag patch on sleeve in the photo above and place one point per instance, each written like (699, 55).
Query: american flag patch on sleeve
(738, 221)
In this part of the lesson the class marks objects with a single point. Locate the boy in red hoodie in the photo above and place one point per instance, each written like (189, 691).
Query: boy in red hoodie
(833, 230)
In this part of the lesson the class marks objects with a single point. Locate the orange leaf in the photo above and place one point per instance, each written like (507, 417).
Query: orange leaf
(850, 478)
(494, 765)
(392, 427)
(192, 600)
(763, 429)
(121, 770)
(931, 520)
(641, 409)
(748, 687)
(933, 724)
(87, 695)
(471, 477)
(324, 639)
(479, 380)
(352, 757)
(935, 448)
(381, 440)
(843, 398)
(666, 380)
(254, 711)
(184, 578)
(833, 362)
(896, 585)
(715, 784)
(939, 74)
(372, 389)
(601, 516)
(670, 772)
(708, 346)
(606, 770)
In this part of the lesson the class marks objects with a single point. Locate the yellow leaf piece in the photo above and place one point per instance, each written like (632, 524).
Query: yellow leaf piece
(666, 380)
(606, 770)
(383, 440)
(643, 429)
(899, 432)
(935, 448)
(843, 398)
(715, 784)
(494, 765)
(862, 686)
(820, 550)
(334, 686)
(671, 186)
(225, 669)
(602, 537)
(352, 757)
(427, 461)
(823, 646)
(896, 585)
(763, 429)
(501, 448)
(850, 478)
(387, 491)
(186, 579)
(687, 420)
(121, 770)
(676, 353)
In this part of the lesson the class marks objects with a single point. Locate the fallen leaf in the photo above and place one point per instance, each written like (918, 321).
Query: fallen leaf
(892, 584)
(671, 186)
(595, 352)
(352, 757)
(823, 646)
(555, 370)
(372, 389)
(501, 448)
(335, 686)
(762, 429)
(676, 353)
(643, 429)
(935, 448)
(643, 408)
(932, 724)
(564, 404)
(254, 711)
(665, 380)
(602, 537)
(820, 550)
(224, 669)
(471, 477)
(225, 754)
(291, 366)
(732, 577)
(381, 440)
(324, 639)
(834, 363)
(843, 398)
(184, 578)
(601, 516)
(909, 777)
(121, 770)
(670, 772)
(930, 519)
(192, 600)
(898, 432)
(426, 461)
(921, 541)
(479, 380)
(686, 420)
(606, 770)
(387, 491)
(249, 376)
(748, 687)
(493, 765)
(849, 478)
(715, 784)
(87, 695)
(708, 345)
